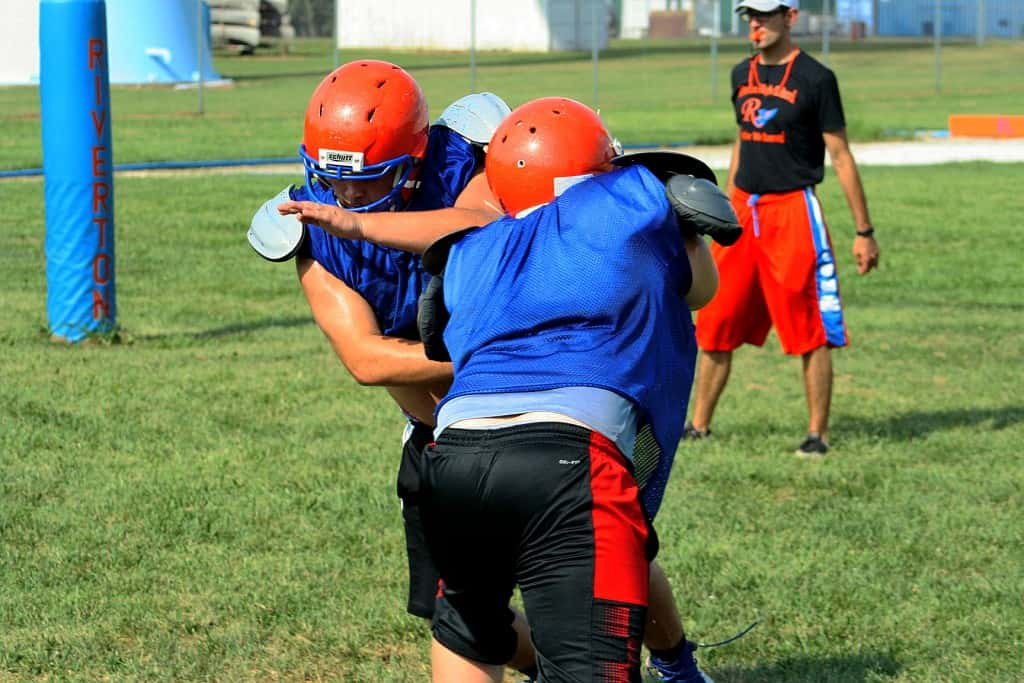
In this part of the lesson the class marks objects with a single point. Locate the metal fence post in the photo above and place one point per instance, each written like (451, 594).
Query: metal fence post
(937, 34)
(826, 21)
(594, 51)
(200, 45)
(472, 46)
(716, 30)
(980, 28)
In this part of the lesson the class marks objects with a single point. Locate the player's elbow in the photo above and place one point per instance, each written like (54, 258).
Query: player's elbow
(363, 369)
(841, 157)
(366, 374)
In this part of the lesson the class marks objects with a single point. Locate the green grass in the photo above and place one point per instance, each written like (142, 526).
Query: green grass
(649, 92)
(211, 498)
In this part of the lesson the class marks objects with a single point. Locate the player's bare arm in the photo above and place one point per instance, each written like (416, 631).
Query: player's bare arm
(410, 231)
(704, 271)
(351, 328)
(865, 248)
(420, 400)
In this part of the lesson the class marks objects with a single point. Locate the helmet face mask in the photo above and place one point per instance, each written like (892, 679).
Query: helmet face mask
(320, 177)
(542, 148)
(367, 120)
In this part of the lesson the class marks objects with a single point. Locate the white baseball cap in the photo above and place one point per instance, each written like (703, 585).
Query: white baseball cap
(766, 5)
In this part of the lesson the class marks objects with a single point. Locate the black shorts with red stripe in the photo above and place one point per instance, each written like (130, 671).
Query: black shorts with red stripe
(555, 509)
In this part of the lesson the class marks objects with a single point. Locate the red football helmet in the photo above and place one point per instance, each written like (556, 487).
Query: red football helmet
(365, 120)
(541, 147)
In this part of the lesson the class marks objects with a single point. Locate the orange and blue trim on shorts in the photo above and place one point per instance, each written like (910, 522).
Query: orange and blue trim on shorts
(826, 275)
(781, 273)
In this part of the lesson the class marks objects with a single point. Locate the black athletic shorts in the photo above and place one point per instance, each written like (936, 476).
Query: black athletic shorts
(423, 576)
(553, 508)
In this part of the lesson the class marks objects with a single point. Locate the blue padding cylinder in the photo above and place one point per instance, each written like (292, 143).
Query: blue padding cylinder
(78, 163)
(157, 42)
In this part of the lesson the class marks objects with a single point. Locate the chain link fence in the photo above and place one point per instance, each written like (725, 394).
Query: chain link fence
(841, 19)
(822, 24)
(838, 19)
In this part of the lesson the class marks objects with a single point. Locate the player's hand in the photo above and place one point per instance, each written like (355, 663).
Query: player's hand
(334, 219)
(865, 251)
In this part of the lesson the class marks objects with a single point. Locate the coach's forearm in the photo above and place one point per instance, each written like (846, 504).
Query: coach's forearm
(849, 179)
(734, 162)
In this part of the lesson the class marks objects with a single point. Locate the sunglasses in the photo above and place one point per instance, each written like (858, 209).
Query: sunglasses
(750, 14)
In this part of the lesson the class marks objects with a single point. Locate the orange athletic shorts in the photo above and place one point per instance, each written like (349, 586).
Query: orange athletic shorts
(780, 272)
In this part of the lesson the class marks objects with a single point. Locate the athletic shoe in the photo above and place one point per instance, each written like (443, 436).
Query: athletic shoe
(812, 447)
(693, 434)
(683, 670)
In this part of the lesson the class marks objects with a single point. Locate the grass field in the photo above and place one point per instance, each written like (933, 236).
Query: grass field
(649, 93)
(211, 497)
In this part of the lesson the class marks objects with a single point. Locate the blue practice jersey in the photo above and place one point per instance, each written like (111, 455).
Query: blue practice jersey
(585, 291)
(391, 280)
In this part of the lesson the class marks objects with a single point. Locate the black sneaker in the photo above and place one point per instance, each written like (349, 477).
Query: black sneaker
(693, 434)
(812, 447)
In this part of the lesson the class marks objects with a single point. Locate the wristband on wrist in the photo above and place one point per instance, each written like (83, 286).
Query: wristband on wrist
(866, 232)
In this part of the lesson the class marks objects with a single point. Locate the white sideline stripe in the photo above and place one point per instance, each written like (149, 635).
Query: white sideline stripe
(717, 157)
(900, 153)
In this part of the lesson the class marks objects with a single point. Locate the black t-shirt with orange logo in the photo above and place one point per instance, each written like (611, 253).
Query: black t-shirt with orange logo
(782, 111)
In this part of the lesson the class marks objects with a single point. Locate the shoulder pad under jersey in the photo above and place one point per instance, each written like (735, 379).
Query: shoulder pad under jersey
(273, 236)
(475, 117)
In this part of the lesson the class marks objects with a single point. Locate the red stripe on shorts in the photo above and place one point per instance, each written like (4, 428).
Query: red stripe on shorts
(620, 531)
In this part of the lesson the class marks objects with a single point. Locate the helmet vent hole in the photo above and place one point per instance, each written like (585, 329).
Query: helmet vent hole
(521, 163)
(321, 109)
(334, 79)
(369, 117)
(556, 111)
(533, 129)
(380, 84)
(504, 138)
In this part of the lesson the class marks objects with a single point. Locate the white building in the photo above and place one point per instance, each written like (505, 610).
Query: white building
(636, 14)
(19, 42)
(528, 25)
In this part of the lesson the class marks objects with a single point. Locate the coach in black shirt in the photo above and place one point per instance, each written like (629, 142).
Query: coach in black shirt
(782, 271)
